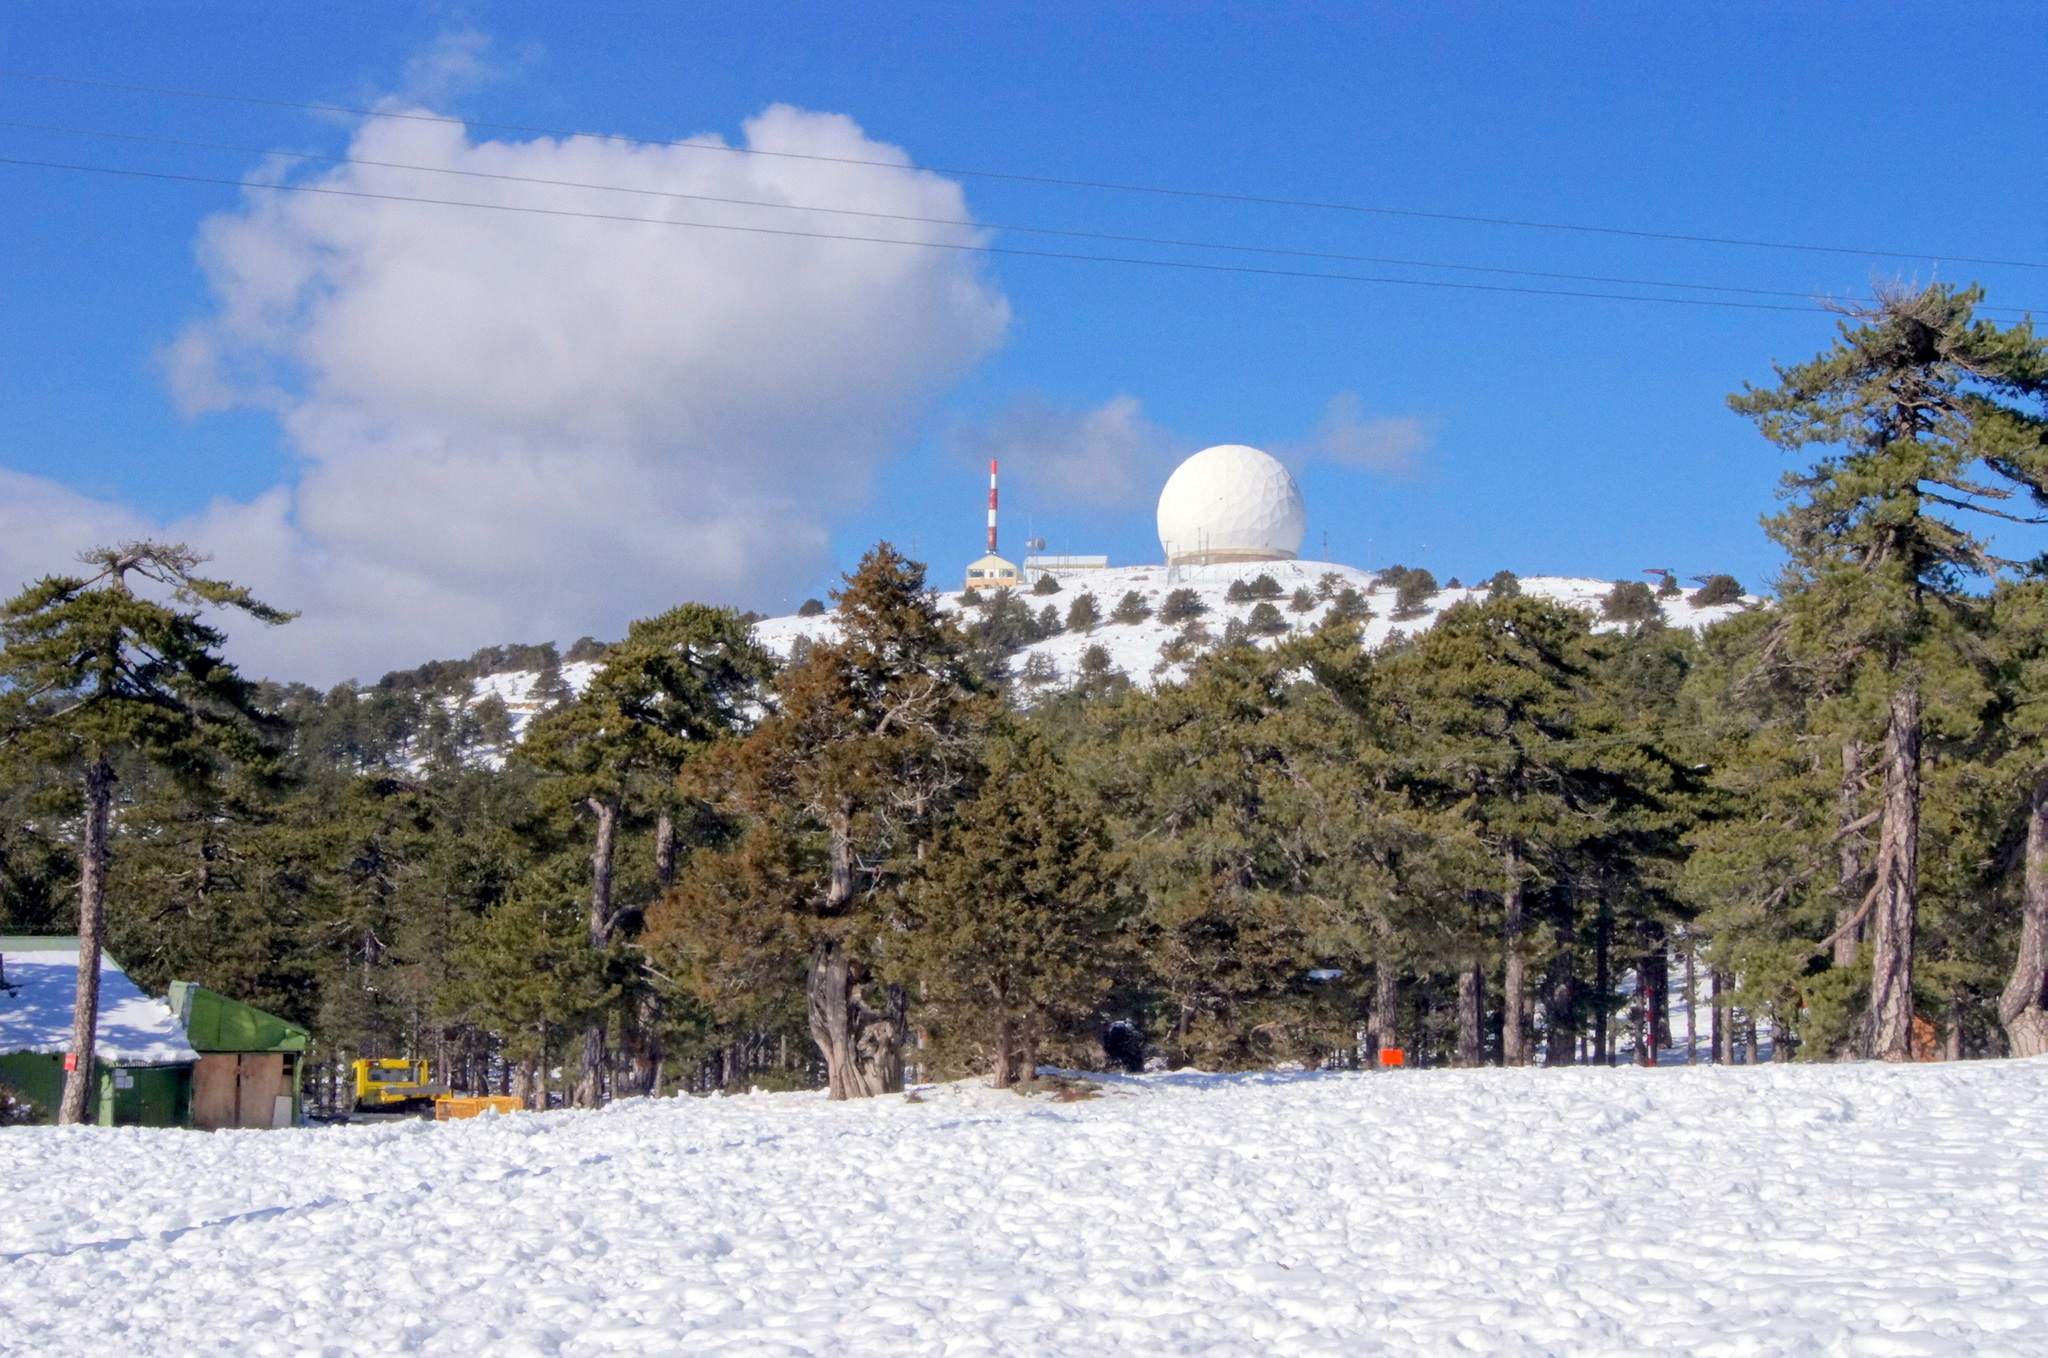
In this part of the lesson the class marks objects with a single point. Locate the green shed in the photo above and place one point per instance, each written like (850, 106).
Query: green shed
(143, 1061)
(252, 1065)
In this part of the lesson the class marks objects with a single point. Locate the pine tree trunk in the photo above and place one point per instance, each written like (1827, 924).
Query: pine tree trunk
(641, 1036)
(2023, 1007)
(1898, 883)
(1692, 1000)
(1603, 986)
(664, 851)
(863, 1048)
(1386, 1005)
(1005, 1073)
(1722, 1044)
(1516, 1045)
(1850, 866)
(1561, 1021)
(590, 1071)
(1472, 1014)
(80, 1082)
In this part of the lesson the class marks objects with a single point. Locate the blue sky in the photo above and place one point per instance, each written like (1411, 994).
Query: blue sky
(1560, 435)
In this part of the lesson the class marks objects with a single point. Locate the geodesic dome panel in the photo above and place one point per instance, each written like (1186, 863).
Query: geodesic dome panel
(1231, 503)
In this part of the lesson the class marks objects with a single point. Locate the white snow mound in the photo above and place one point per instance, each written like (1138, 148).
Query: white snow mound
(1755, 1210)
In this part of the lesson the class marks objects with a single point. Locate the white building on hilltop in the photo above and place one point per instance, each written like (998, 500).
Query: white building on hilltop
(1230, 503)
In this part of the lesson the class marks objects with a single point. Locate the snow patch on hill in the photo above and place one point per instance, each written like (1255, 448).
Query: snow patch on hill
(1136, 648)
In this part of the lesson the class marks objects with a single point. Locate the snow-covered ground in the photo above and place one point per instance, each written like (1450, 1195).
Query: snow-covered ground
(1135, 648)
(1748, 1211)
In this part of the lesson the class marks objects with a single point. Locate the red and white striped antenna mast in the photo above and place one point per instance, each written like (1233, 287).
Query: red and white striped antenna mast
(991, 506)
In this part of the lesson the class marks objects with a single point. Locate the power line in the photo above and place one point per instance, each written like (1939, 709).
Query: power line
(961, 246)
(929, 221)
(1053, 180)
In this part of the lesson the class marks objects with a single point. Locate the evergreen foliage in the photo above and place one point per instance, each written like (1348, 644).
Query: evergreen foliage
(811, 608)
(1014, 920)
(1046, 584)
(1084, 614)
(1303, 601)
(1413, 588)
(1132, 608)
(1631, 602)
(1182, 605)
(1265, 621)
(1714, 591)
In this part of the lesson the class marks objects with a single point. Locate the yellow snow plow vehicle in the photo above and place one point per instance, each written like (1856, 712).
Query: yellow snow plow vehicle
(399, 1087)
(394, 1085)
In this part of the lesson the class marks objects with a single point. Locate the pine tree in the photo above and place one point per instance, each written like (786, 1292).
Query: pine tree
(1132, 608)
(92, 676)
(871, 739)
(1016, 913)
(1920, 397)
(1182, 605)
(677, 684)
(1083, 614)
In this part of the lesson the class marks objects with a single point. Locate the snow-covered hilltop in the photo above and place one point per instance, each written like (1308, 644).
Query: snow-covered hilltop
(1139, 648)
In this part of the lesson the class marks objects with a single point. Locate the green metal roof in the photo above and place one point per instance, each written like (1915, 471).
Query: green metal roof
(215, 1023)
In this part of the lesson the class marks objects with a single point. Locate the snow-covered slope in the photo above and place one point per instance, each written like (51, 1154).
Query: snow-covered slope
(1749, 1211)
(1135, 648)
(518, 690)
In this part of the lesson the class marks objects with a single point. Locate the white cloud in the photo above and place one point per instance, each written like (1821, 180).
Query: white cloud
(1346, 437)
(516, 426)
(1110, 457)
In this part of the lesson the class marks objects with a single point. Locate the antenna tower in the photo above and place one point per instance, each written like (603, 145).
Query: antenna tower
(991, 506)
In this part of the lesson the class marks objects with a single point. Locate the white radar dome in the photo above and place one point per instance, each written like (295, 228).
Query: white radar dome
(1230, 503)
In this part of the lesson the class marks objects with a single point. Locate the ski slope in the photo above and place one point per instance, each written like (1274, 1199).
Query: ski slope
(1855, 1210)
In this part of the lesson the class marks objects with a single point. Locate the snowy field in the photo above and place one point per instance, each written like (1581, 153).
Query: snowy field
(1758, 1210)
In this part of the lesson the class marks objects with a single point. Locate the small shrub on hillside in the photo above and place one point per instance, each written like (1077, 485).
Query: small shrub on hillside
(1327, 585)
(1667, 585)
(1182, 605)
(1097, 677)
(1258, 587)
(1348, 606)
(1715, 590)
(1413, 588)
(1503, 585)
(969, 598)
(1131, 608)
(1302, 601)
(1049, 624)
(810, 608)
(1046, 584)
(1235, 633)
(1083, 614)
(1630, 601)
(1265, 620)
(1454, 584)
(1038, 671)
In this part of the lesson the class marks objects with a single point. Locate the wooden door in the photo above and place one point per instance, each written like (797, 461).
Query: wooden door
(216, 1095)
(261, 1081)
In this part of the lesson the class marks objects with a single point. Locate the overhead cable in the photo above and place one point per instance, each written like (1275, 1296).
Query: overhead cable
(1057, 181)
(965, 247)
(927, 221)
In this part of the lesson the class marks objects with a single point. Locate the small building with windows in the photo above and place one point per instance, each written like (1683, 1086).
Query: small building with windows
(992, 573)
(142, 1062)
